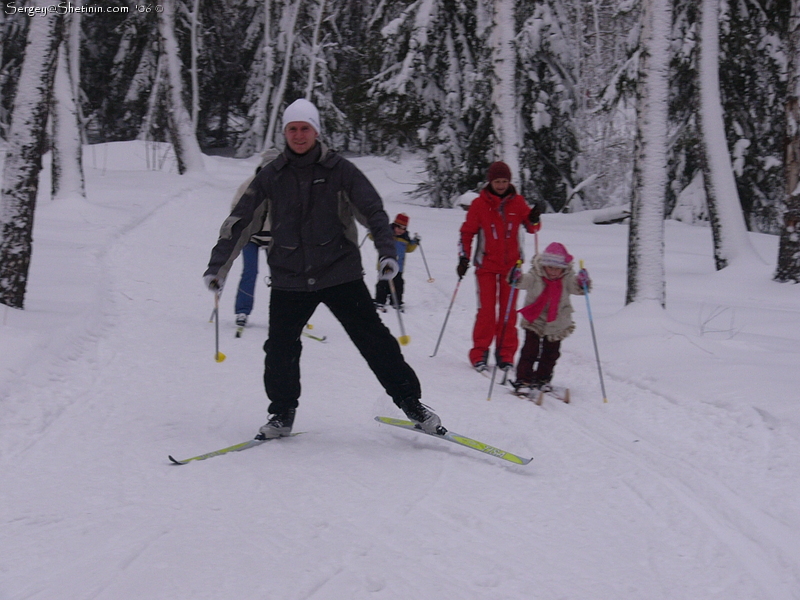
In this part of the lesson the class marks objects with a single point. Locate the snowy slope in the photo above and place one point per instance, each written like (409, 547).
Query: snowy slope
(683, 486)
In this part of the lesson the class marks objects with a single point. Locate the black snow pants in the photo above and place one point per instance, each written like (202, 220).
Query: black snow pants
(352, 305)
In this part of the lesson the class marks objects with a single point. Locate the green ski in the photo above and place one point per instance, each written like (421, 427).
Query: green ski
(235, 448)
(459, 439)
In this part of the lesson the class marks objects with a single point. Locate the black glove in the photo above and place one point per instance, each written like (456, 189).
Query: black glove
(534, 215)
(463, 265)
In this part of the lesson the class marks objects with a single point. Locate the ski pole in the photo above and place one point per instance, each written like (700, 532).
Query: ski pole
(594, 338)
(430, 279)
(218, 356)
(449, 308)
(512, 296)
(366, 235)
(403, 339)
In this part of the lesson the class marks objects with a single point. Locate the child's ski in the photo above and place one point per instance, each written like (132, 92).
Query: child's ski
(536, 395)
(556, 391)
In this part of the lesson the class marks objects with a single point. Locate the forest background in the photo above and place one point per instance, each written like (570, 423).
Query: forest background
(559, 89)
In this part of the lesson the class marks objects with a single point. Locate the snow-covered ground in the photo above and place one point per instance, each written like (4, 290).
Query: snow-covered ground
(684, 485)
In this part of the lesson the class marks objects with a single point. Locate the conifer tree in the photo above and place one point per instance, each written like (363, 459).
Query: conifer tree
(789, 249)
(548, 103)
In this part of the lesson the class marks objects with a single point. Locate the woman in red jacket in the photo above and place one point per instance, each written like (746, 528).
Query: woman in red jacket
(495, 217)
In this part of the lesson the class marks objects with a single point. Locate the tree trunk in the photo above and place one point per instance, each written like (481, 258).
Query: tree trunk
(646, 235)
(789, 247)
(194, 75)
(277, 100)
(67, 172)
(504, 91)
(731, 239)
(184, 140)
(26, 141)
(254, 140)
(315, 50)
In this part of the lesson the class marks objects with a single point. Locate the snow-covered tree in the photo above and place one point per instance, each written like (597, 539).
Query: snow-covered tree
(548, 101)
(506, 122)
(194, 21)
(67, 142)
(646, 234)
(286, 63)
(13, 38)
(789, 247)
(725, 210)
(434, 89)
(752, 68)
(289, 32)
(184, 141)
(26, 139)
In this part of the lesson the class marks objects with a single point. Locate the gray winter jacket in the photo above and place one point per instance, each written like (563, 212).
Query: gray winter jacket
(312, 202)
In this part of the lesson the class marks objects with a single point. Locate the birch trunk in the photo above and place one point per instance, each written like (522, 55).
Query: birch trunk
(74, 55)
(277, 100)
(315, 49)
(646, 234)
(193, 70)
(504, 91)
(731, 239)
(184, 140)
(254, 140)
(67, 172)
(23, 163)
(789, 246)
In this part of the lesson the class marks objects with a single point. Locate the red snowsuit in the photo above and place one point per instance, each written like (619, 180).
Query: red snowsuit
(496, 222)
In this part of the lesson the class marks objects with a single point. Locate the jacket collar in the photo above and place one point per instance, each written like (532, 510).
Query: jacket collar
(319, 154)
(496, 200)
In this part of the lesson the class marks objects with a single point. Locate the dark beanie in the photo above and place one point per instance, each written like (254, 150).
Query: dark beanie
(498, 170)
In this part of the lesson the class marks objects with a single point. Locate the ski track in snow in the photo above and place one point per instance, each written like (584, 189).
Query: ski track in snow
(654, 495)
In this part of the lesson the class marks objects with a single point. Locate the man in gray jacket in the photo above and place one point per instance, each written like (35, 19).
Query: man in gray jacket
(312, 197)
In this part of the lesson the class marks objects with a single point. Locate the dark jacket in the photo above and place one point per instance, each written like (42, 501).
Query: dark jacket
(312, 202)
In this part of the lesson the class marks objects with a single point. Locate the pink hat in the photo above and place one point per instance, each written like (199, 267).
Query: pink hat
(556, 255)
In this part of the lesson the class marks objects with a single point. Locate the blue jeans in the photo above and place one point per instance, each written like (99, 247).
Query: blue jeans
(247, 284)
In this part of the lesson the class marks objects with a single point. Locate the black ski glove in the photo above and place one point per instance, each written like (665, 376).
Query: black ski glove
(534, 215)
(463, 265)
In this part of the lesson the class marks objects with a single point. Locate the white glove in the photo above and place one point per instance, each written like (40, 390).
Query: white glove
(387, 268)
(213, 283)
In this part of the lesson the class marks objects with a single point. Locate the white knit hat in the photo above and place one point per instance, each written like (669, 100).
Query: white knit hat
(302, 110)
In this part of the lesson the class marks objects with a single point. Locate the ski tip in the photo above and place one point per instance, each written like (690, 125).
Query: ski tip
(175, 461)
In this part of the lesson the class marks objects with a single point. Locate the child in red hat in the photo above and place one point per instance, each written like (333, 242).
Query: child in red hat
(404, 244)
(547, 314)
